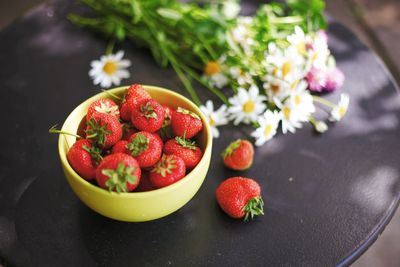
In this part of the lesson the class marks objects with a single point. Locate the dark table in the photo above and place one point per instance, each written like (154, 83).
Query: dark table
(328, 197)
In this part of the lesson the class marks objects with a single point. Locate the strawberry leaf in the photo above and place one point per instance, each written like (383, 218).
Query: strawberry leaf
(186, 143)
(232, 147)
(138, 144)
(187, 112)
(148, 111)
(254, 207)
(94, 152)
(97, 132)
(119, 177)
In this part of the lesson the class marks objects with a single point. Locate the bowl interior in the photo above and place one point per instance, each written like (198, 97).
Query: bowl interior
(163, 96)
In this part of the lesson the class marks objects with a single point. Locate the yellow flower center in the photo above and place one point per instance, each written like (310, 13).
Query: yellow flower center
(275, 71)
(275, 88)
(211, 68)
(342, 111)
(315, 56)
(249, 106)
(110, 67)
(286, 68)
(211, 120)
(297, 100)
(301, 47)
(286, 112)
(268, 130)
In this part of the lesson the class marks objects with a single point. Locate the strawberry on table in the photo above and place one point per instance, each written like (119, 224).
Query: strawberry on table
(104, 129)
(83, 158)
(145, 147)
(118, 172)
(240, 197)
(185, 149)
(168, 170)
(148, 116)
(185, 123)
(238, 155)
(103, 105)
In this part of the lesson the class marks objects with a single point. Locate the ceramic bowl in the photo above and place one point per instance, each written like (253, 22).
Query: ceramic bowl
(137, 206)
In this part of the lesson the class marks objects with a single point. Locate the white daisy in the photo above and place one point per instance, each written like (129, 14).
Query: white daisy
(242, 33)
(242, 77)
(275, 88)
(215, 118)
(246, 105)
(340, 109)
(110, 69)
(268, 122)
(230, 9)
(318, 52)
(289, 116)
(284, 64)
(298, 39)
(302, 101)
(214, 74)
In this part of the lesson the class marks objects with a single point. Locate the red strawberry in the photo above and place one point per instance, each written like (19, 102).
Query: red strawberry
(137, 91)
(104, 129)
(127, 131)
(103, 105)
(240, 197)
(146, 148)
(168, 170)
(148, 116)
(238, 155)
(118, 172)
(185, 123)
(185, 149)
(83, 158)
(145, 184)
(120, 147)
(135, 94)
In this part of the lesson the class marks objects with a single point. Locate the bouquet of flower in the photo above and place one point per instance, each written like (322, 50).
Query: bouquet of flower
(264, 68)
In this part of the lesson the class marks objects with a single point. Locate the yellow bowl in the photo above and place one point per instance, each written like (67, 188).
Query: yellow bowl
(137, 206)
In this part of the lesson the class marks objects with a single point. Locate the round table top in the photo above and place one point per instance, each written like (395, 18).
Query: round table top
(327, 196)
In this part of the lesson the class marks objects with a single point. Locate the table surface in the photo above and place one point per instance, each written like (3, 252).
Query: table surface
(343, 188)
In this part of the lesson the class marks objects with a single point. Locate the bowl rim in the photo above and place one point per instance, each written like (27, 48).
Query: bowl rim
(207, 151)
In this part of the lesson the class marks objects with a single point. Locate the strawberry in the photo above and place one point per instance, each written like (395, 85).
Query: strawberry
(240, 197)
(148, 116)
(104, 129)
(145, 147)
(145, 184)
(103, 105)
(168, 170)
(118, 172)
(120, 147)
(185, 149)
(127, 131)
(238, 155)
(166, 131)
(185, 123)
(137, 91)
(135, 94)
(168, 115)
(83, 158)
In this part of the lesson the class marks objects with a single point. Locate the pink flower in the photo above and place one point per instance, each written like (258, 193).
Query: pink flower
(334, 79)
(316, 79)
(322, 35)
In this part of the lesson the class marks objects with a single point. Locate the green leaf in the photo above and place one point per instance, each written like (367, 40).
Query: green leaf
(169, 13)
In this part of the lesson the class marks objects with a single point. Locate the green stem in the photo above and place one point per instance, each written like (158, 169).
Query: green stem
(187, 84)
(110, 46)
(54, 130)
(323, 101)
(112, 94)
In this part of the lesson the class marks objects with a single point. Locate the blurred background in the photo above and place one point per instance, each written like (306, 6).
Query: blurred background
(377, 24)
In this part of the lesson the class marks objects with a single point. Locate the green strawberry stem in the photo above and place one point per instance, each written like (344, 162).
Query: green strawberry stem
(119, 177)
(254, 207)
(94, 152)
(138, 144)
(232, 147)
(186, 143)
(112, 94)
(54, 130)
(97, 132)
